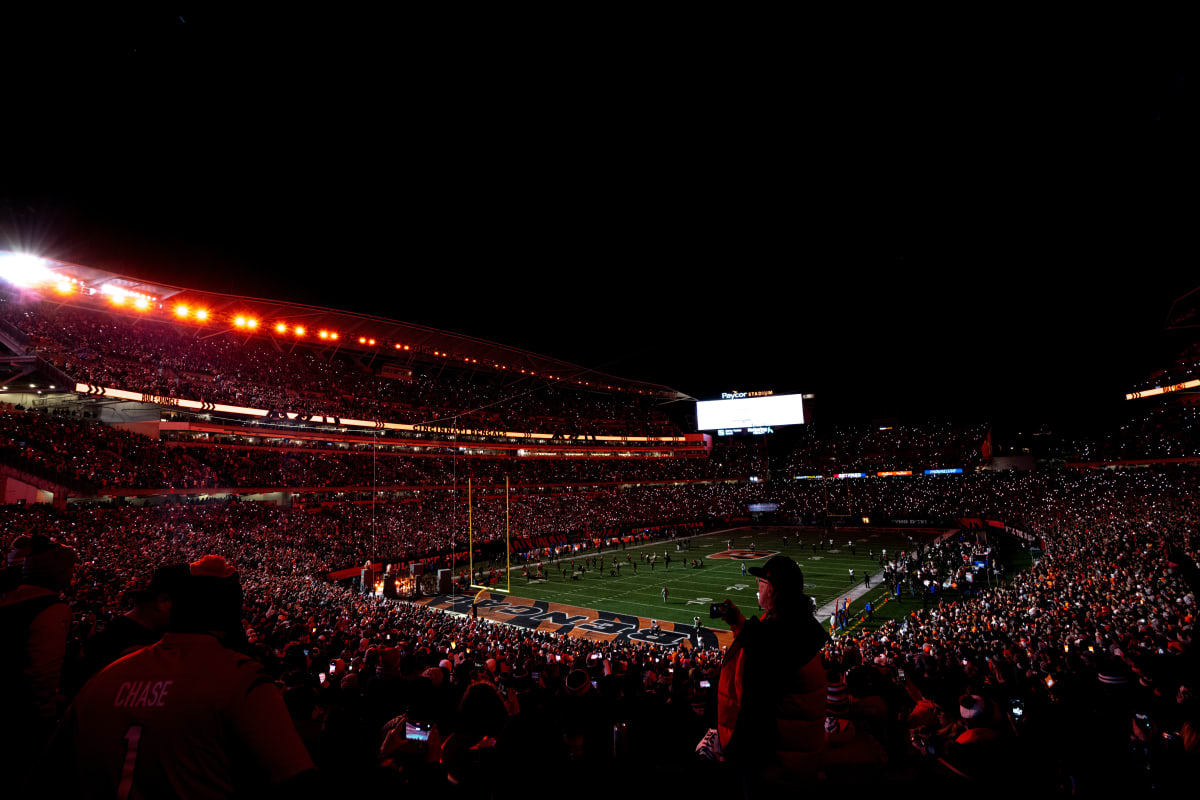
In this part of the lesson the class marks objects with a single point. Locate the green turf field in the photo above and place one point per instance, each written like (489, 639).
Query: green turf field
(690, 590)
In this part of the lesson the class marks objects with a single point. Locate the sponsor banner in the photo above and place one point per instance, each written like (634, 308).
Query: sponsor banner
(1021, 534)
(585, 623)
(893, 473)
(741, 554)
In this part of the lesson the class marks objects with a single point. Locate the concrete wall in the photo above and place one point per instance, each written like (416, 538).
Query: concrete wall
(1020, 463)
(16, 491)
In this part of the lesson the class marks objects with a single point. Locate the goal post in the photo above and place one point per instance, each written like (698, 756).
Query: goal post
(507, 546)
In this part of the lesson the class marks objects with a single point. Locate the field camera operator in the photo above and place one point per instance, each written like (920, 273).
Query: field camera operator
(771, 694)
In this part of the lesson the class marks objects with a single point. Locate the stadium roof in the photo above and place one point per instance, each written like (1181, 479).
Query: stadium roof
(372, 336)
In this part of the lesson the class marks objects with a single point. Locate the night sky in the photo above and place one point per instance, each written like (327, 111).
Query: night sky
(904, 241)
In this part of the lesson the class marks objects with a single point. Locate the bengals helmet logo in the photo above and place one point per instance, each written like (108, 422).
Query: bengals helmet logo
(745, 555)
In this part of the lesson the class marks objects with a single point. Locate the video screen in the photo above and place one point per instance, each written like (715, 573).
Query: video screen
(750, 412)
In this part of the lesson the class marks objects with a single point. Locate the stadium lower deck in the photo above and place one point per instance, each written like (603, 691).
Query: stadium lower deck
(596, 603)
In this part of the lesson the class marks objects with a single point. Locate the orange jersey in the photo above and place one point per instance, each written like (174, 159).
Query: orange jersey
(184, 716)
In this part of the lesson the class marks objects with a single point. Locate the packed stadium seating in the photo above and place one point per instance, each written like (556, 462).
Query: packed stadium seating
(137, 354)
(1095, 639)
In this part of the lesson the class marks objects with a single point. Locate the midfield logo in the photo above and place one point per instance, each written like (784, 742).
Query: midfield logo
(745, 555)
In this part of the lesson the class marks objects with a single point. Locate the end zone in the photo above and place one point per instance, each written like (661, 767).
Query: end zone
(586, 623)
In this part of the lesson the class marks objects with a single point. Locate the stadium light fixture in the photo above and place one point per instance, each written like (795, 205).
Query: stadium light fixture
(239, 322)
(182, 311)
(299, 330)
(371, 342)
(201, 314)
(280, 327)
(24, 269)
(333, 335)
(362, 340)
(252, 323)
(64, 286)
(323, 334)
(141, 303)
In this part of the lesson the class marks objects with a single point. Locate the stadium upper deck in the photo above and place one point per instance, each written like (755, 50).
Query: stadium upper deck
(107, 336)
(371, 337)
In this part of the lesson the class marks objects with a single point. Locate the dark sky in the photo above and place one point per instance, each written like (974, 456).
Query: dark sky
(901, 239)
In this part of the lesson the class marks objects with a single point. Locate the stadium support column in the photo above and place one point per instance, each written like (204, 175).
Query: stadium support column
(470, 540)
(507, 540)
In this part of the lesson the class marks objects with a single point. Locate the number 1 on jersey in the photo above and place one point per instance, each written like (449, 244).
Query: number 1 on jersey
(133, 735)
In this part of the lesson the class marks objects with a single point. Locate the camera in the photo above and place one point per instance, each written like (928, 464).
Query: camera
(719, 610)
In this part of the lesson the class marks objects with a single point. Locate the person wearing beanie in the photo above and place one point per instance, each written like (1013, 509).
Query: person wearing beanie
(187, 716)
(771, 695)
(34, 624)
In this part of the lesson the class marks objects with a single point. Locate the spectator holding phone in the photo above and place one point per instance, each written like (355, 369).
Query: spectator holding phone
(771, 694)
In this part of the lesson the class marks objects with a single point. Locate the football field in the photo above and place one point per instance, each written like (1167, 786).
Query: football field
(600, 604)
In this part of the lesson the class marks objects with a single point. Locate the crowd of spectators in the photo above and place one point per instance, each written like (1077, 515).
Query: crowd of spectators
(1101, 618)
(1160, 432)
(92, 457)
(105, 458)
(155, 357)
(1077, 675)
(1185, 367)
(821, 449)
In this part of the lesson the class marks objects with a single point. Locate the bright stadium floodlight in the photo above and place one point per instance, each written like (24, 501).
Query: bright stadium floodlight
(116, 295)
(280, 327)
(251, 323)
(333, 335)
(201, 314)
(182, 311)
(24, 269)
(141, 304)
(323, 334)
(239, 322)
(64, 286)
(299, 330)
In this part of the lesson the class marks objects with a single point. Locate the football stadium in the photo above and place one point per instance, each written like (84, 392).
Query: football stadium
(254, 544)
(514, 406)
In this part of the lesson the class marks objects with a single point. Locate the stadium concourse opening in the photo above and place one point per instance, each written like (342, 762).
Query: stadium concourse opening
(281, 538)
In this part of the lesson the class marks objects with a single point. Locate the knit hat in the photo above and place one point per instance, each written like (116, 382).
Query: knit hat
(837, 699)
(970, 706)
(209, 598)
(1114, 672)
(578, 682)
(435, 675)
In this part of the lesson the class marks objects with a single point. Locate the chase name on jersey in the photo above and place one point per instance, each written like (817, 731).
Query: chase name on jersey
(142, 694)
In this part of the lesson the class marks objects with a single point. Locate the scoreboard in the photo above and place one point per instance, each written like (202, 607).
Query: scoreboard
(749, 412)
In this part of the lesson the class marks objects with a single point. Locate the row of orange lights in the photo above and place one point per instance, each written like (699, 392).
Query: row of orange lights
(142, 303)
